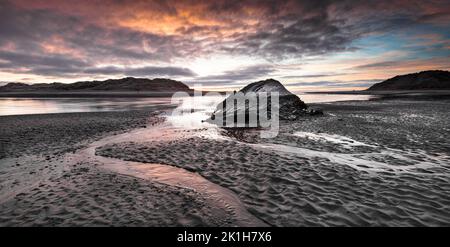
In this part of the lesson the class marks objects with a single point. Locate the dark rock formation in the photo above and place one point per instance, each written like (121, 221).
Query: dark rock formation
(291, 107)
(266, 86)
(315, 112)
(124, 84)
(425, 80)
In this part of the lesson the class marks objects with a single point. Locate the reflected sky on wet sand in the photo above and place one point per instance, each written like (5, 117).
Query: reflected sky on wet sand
(22, 106)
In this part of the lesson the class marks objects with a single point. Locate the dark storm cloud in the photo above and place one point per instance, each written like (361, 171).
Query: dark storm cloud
(314, 75)
(63, 38)
(27, 32)
(40, 64)
(30, 61)
(379, 65)
(307, 36)
(62, 66)
(141, 71)
(331, 26)
(246, 74)
(441, 62)
(337, 83)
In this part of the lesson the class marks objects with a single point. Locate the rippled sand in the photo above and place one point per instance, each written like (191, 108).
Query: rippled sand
(373, 163)
(45, 182)
(381, 163)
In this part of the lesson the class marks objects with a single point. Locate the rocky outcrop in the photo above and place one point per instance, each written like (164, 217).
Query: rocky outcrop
(124, 84)
(291, 107)
(425, 80)
(266, 86)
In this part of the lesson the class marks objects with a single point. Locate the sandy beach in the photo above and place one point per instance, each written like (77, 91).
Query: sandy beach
(225, 120)
(364, 163)
(42, 184)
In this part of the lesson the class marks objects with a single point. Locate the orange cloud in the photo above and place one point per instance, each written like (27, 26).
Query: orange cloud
(136, 32)
(224, 18)
(56, 45)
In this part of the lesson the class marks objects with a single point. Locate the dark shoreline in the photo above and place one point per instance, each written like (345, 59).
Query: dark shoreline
(396, 92)
(147, 94)
(96, 94)
(392, 95)
(101, 94)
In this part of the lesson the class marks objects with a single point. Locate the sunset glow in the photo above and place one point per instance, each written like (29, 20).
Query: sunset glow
(223, 45)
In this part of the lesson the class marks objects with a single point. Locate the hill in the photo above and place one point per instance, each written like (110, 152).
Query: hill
(425, 80)
(128, 84)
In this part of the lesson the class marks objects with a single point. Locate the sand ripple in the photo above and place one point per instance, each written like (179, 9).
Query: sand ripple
(287, 190)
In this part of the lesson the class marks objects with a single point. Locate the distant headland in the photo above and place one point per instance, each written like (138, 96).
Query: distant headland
(128, 86)
(430, 82)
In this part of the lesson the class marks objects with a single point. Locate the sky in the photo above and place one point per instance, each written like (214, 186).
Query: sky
(224, 44)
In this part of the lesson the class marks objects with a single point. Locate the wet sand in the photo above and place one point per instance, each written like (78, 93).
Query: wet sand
(367, 163)
(382, 163)
(45, 182)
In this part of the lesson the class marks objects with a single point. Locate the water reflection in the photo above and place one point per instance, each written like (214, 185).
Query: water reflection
(324, 98)
(191, 111)
(21, 106)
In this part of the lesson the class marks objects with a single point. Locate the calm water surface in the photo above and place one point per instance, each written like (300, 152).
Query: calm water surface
(21, 106)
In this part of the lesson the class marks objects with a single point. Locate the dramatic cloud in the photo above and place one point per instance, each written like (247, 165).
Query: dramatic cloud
(337, 83)
(141, 71)
(239, 76)
(315, 75)
(64, 39)
(60, 65)
(437, 63)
